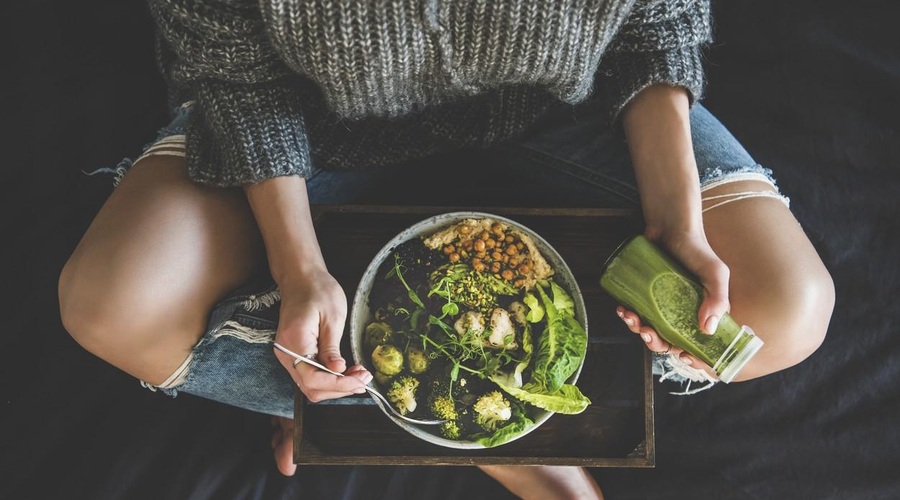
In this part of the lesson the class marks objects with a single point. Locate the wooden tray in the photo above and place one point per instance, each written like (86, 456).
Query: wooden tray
(615, 431)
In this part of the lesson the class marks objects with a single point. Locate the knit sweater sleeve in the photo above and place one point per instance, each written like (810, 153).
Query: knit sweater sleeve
(660, 42)
(246, 125)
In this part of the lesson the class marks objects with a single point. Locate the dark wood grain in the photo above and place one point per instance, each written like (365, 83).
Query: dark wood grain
(617, 430)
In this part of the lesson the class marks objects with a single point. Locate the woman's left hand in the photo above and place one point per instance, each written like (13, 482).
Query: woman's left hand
(657, 125)
(692, 250)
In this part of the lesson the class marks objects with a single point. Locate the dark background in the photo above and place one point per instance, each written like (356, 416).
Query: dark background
(811, 88)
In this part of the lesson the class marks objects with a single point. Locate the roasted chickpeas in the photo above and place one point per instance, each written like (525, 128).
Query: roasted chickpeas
(494, 250)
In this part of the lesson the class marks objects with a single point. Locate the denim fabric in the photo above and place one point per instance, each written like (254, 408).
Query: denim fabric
(565, 162)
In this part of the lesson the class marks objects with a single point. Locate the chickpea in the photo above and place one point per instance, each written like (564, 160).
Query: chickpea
(524, 269)
(506, 259)
(495, 267)
(520, 245)
(519, 283)
(490, 243)
(511, 250)
(509, 239)
(478, 266)
(448, 249)
(484, 235)
(465, 230)
(507, 274)
(514, 261)
(497, 229)
(481, 255)
(454, 257)
(479, 246)
(496, 255)
(467, 244)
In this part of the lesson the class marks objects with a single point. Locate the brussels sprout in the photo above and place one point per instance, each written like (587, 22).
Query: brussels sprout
(382, 379)
(417, 360)
(387, 359)
(376, 334)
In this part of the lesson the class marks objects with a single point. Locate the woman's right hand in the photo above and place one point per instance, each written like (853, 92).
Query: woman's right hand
(313, 305)
(312, 316)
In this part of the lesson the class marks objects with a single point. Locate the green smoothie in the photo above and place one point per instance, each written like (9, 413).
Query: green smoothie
(646, 280)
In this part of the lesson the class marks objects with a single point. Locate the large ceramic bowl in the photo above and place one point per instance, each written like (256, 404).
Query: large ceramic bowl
(361, 314)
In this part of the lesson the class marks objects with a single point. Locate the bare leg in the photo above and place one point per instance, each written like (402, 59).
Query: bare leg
(545, 482)
(779, 285)
(162, 251)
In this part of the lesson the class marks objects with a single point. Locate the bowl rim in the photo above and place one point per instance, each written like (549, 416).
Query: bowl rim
(440, 221)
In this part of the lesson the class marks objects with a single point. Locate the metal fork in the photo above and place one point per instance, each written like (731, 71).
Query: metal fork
(383, 402)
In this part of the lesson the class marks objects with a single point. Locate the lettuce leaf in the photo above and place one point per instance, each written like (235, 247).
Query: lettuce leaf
(505, 433)
(568, 399)
(535, 311)
(518, 424)
(561, 346)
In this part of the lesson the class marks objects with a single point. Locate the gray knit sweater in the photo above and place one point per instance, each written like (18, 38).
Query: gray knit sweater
(282, 85)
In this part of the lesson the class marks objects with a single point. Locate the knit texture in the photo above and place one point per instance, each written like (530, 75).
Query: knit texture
(282, 85)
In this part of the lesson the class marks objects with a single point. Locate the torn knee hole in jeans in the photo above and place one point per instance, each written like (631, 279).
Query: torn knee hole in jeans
(724, 199)
(228, 329)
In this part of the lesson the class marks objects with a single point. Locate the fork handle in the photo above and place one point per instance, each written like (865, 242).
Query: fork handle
(304, 359)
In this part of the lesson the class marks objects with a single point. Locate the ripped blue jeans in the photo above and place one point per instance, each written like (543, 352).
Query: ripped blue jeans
(566, 162)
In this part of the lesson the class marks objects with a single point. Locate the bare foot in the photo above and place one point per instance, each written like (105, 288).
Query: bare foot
(544, 482)
(283, 445)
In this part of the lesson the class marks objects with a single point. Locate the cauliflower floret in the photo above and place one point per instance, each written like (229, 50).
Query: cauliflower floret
(492, 410)
(518, 311)
(402, 394)
(503, 333)
(470, 321)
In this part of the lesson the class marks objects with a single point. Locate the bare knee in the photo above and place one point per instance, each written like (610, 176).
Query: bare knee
(84, 314)
(793, 322)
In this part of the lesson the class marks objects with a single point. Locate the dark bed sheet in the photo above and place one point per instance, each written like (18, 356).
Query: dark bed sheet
(810, 87)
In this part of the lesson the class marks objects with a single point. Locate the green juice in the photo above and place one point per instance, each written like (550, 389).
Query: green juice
(646, 280)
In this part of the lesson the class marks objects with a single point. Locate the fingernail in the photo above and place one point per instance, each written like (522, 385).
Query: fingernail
(686, 360)
(629, 321)
(620, 312)
(646, 337)
(359, 390)
(712, 324)
(366, 378)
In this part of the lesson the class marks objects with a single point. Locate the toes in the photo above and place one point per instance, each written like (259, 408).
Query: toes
(283, 445)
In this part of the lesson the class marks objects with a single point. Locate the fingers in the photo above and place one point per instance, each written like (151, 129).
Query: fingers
(319, 385)
(714, 275)
(654, 342)
(715, 304)
(330, 332)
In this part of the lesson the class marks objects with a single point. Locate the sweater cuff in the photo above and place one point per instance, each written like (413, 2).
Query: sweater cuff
(625, 74)
(240, 134)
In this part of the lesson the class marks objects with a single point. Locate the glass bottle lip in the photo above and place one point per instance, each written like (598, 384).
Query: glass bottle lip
(616, 252)
(742, 358)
